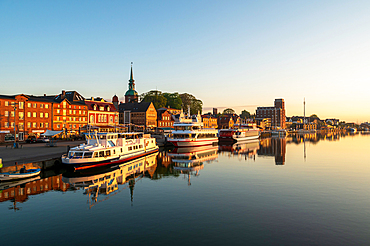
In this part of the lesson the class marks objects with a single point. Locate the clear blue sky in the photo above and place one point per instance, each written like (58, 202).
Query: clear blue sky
(238, 54)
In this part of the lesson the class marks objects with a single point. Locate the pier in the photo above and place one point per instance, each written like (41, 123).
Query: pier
(36, 154)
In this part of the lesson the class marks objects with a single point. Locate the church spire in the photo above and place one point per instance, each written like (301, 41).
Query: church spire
(131, 95)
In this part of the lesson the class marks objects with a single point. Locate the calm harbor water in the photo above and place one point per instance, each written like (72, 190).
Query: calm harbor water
(311, 190)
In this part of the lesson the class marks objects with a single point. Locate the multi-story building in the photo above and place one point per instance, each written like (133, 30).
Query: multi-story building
(164, 118)
(140, 114)
(228, 121)
(276, 114)
(209, 121)
(23, 115)
(101, 113)
(70, 113)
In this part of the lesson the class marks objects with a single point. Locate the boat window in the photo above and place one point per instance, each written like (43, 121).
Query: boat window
(107, 153)
(71, 154)
(88, 154)
(78, 155)
(103, 137)
(96, 154)
(121, 150)
(193, 135)
(114, 152)
(101, 154)
(101, 179)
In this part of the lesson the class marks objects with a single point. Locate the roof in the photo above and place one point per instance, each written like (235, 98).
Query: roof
(134, 107)
(131, 92)
(106, 105)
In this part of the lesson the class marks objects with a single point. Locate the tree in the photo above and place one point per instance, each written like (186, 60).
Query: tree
(156, 97)
(314, 116)
(173, 100)
(245, 114)
(228, 111)
(189, 100)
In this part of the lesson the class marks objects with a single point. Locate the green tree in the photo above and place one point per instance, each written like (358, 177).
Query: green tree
(228, 111)
(173, 100)
(156, 97)
(314, 116)
(189, 100)
(245, 114)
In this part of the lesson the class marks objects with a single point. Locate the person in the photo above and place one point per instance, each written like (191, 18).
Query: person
(23, 169)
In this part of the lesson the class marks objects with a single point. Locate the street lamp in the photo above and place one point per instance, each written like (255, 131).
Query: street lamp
(14, 104)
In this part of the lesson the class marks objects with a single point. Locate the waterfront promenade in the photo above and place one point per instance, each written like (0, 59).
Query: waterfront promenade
(34, 152)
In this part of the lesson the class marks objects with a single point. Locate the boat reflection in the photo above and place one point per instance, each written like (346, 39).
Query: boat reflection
(189, 161)
(106, 181)
(246, 149)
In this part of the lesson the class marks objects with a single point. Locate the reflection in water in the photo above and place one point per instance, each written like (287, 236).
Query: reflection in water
(246, 149)
(189, 161)
(105, 181)
(19, 191)
(273, 147)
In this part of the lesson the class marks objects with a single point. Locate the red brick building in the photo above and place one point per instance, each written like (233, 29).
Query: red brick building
(276, 114)
(164, 118)
(101, 113)
(23, 115)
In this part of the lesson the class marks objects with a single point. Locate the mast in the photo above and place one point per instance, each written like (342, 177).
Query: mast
(304, 113)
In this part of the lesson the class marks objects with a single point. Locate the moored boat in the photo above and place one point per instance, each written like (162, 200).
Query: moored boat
(239, 133)
(19, 174)
(104, 149)
(189, 132)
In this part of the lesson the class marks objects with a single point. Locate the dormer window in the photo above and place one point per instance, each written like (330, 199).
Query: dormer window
(101, 108)
(94, 107)
(108, 108)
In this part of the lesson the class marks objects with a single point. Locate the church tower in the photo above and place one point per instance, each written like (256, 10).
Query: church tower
(131, 96)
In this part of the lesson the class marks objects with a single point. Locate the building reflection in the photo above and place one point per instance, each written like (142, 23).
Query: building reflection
(189, 161)
(273, 147)
(106, 181)
(245, 149)
(19, 191)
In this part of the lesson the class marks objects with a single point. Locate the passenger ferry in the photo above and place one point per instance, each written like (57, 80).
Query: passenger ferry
(239, 133)
(189, 132)
(104, 149)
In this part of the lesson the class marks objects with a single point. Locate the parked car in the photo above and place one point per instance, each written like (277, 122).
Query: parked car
(43, 140)
(31, 139)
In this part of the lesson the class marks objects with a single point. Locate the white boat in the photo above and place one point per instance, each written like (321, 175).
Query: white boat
(239, 133)
(19, 175)
(189, 132)
(104, 149)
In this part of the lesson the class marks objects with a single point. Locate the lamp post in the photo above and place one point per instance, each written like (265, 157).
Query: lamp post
(15, 135)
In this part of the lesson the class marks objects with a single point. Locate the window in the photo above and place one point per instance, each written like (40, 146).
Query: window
(21, 115)
(58, 126)
(41, 115)
(58, 110)
(46, 115)
(28, 114)
(41, 105)
(70, 111)
(74, 111)
(21, 105)
(58, 118)
(47, 125)
(34, 114)
(6, 113)
(34, 124)
(6, 103)
(6, 124)
(28, 105)
(28, 124)
(34, 105)
(46, 105)
(11, 113)
(41, 124)
(12, 125)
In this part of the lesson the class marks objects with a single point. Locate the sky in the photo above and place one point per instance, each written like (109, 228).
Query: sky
(229, 54)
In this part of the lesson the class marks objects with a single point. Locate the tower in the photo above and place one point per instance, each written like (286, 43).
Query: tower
(131, 96)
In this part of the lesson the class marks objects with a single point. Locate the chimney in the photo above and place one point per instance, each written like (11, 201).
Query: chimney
(44, 95)
(92, 98)
(63, 94)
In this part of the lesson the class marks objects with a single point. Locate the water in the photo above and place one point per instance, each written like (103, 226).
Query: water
(291, 191)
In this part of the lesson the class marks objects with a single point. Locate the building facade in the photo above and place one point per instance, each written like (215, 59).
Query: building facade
(101, 113)
(139, 114)
(276, 114)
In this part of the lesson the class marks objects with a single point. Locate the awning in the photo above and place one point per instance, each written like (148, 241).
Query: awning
(49, 133)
